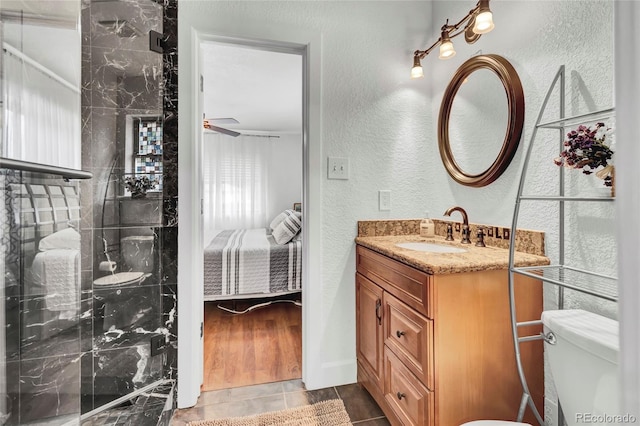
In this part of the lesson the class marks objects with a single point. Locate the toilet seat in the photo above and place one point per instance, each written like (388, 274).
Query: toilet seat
(492, 423)
(118, 280)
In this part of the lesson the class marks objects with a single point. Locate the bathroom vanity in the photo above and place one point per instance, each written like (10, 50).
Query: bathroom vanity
(434, 343)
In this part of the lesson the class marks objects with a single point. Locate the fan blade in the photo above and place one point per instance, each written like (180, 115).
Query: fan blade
(222, 120)
(222, 130)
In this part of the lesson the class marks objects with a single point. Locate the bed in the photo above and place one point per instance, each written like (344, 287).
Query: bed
(43, 253)
(250, 263)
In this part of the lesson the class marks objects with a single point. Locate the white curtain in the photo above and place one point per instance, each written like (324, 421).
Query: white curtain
(42, 116)
(235, 186)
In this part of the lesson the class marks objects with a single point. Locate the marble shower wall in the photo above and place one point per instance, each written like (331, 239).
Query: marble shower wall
(122, 79)
(61, 361)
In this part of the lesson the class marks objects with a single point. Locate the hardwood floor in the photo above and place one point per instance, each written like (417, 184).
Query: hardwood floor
(261, 346)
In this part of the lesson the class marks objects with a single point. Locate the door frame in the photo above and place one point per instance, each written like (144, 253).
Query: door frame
(190, 225)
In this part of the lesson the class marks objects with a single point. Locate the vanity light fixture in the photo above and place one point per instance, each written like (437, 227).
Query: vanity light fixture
(446, 46)
(416, 71)
(478, 21)
(484, 18)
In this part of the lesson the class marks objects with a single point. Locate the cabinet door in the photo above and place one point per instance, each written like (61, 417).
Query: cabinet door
(369, 331)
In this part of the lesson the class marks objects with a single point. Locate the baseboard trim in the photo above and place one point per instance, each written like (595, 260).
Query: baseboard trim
(334, 374)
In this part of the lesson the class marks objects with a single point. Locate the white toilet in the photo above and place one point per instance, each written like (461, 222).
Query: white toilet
(584, 364)
(137, 263)
(582, 349)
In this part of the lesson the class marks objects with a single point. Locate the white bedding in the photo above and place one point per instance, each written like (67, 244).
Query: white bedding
(248, 262)
(55, 274)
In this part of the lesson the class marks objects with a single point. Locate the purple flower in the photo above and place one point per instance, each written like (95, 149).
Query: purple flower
(585, 149)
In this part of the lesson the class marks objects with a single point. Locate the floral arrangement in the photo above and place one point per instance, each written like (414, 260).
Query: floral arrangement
(587, 149)
(139, 185)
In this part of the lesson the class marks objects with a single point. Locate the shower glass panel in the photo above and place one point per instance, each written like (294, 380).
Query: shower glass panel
(88, 265)
(126, 349)
(40, 260)
(41, 81)
(40, 251)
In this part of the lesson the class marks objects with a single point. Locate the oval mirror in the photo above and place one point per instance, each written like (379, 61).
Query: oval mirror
(481, 119)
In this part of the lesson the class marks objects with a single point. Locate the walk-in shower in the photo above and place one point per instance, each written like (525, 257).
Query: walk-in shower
(87, 330)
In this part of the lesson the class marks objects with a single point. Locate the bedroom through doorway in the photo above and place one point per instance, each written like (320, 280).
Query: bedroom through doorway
(252, 163)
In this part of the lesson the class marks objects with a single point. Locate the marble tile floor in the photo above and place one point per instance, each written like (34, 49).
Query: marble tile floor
(257, 399)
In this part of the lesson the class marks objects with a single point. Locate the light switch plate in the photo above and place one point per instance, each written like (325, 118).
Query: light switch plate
(384, 200)
(337, 168)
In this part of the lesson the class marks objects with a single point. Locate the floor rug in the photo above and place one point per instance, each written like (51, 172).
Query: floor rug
(325, 413)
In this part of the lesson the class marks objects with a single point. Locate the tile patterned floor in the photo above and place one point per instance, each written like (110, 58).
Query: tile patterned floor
(249, 400)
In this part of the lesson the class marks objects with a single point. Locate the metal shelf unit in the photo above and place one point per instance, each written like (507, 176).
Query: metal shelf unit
(580, 280)
(561, 275)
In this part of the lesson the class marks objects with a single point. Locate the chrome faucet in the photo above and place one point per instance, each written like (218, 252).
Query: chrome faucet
(465, 223)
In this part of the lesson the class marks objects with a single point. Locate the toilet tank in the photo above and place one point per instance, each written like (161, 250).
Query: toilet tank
(584, 365)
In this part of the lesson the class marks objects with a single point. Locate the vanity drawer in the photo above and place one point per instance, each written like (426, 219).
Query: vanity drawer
(410, 336)
(411, 402)
(408, 284)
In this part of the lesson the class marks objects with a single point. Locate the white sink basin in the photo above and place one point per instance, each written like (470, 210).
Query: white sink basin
(430, 247)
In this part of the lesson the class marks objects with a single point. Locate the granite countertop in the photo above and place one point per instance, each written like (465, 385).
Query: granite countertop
(474, 259)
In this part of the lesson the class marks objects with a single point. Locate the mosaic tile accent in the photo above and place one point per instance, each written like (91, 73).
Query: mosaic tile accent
(149, 138)
(148, 160)
(152, 169)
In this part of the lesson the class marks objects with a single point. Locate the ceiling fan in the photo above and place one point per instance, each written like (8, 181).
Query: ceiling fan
(211, 124)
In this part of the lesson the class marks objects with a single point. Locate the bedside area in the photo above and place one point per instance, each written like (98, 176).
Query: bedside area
(434, 339)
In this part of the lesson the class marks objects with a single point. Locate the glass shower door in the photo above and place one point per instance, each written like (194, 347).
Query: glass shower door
(40, 212)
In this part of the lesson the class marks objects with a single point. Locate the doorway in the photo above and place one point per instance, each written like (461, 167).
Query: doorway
(251, 99)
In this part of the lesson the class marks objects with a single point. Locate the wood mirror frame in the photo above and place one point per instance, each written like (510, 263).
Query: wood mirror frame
(515, 105)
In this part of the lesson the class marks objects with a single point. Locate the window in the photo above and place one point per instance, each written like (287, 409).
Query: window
(144, 149)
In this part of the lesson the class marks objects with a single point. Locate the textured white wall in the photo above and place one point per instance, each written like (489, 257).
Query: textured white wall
(285, 178)
(537, 38)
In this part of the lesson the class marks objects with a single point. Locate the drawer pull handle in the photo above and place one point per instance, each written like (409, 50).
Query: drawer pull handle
(401, 395)
(378, 305)
(400, 333)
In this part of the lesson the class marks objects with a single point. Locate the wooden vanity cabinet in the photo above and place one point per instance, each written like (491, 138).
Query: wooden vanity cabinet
(437, 350)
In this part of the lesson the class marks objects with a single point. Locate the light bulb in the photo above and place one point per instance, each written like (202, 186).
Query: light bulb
(483, 22)
(446, 50)
(416, 72)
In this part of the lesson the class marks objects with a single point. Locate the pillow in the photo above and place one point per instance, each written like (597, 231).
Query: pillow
(278, 219)
(288, 228)
(65, 239)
